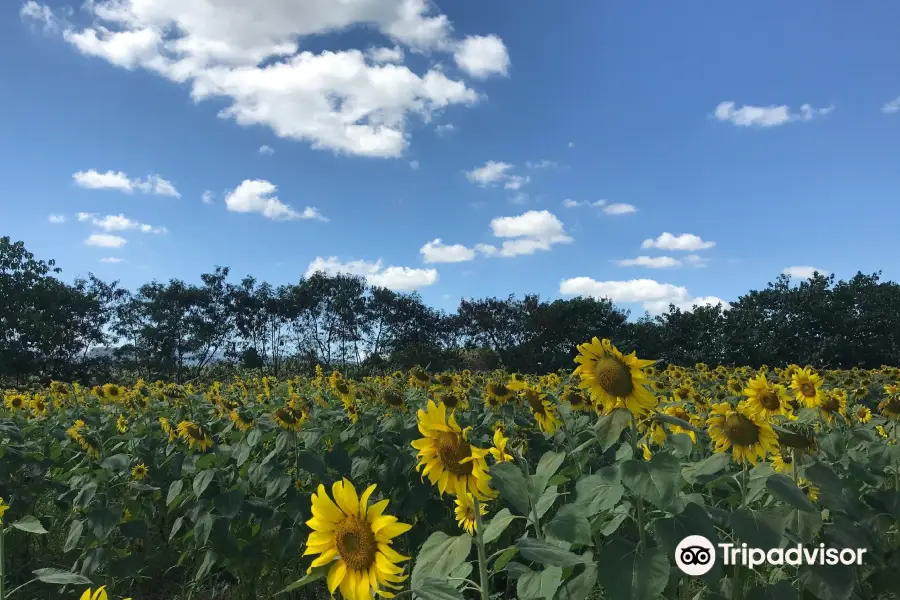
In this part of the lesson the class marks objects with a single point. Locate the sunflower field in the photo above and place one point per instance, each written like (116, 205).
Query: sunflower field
(442, 486)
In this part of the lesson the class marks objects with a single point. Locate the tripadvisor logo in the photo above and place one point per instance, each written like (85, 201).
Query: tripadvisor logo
(695, 555)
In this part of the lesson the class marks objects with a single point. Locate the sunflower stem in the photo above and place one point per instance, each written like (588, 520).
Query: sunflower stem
(638, 501)
(482, 555)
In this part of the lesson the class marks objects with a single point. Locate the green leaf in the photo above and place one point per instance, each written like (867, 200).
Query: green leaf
(209, 561)
(632, 574)
(656, 480)
(570, 524)
(242, 453)
(60, 577)
(539, 585)
(437, 589)
(203, 528)
(828, 582)
(804, 525)
(824, 478)
(202, 481)
(85, 495)
(545, 553)
(118, 462)
(229, 504)
(176, 526)
(75, 531)
(546, 501)
(511, 483)
(580, 586)
(277, 486)
(759, 529)
(600, 491)
(708, 466)
(30, 524)
(174, 489)
(693, 520)
(610, 426)
(778, 591)
(311, 463)
(253, 437)
(547, 468)
(498, 525)
(439, 556)
(314, 575)
(504, 558)
(783, 487)
(664, 418)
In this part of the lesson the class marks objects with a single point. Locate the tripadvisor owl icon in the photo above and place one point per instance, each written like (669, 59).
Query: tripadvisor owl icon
(695, 555)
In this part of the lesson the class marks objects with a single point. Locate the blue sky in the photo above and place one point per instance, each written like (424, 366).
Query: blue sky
(758, 138)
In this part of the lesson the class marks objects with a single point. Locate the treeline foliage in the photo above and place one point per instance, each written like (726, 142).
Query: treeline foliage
(91, 330)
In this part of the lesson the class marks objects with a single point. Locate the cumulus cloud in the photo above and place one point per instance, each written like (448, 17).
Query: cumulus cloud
(619, 208)
(112, 260)
(685, 241)
(120, 222)
(207, 197)
(105, 240)
(266, 150)
(57, 219)
(766, 116)
(258, 196)
(490, 173)
(437, 252)
(892, 106)
(652, 262)
(541, 164)
(482, 55)
(444, 128)
(803, 272)
(117, 180)
(653, 296)
(414, 165)
(354, 101)
(399, 279)
(526, 233)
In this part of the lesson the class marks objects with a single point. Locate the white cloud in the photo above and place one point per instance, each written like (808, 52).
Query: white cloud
(41, 13)
(618, 208)
(569, 203)
(541, 164)
(385, 55)
(444, 128)
(112, 260)
(491, 173)
(685, 242)
(84, 216)
(766, 116)
(258, 196)
(120, 222)
(530, 232)
(117, 180)
(414, 164)
(105, 240)
(399, 279)
(803, 272)
(892, 106)
(515, 182)
(207, 197)
(482, 55)
(652, 262)
(57, 219)
(653, 296)
(266, 150)
(436, 252)
(350, 101)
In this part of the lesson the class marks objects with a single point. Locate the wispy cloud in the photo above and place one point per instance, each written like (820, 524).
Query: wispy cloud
(117, 180)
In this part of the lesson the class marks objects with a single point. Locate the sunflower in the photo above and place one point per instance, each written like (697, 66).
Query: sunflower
(496, 394)
(355, 539)
(863, 414)
(241, 418)
(806, 386)
(113, 391)
(452, 399)
(194, 435)
(498, 451)
(576, 398)
(645, 451)
(679, 412)
(811, 491)
(465, 512)
(393, 398)
(16, 401)
(610, 376)
(749, 436)
(446, 456)
(517, 382)
(767, 399)
(99, 594)
(890, 407)
(543, 410)
(167, 428)
(418, 377)
(3, 508)
(122, 424)
(782, 463)
(834, 404)
(39, 405)
(289, 418)
(139, 471)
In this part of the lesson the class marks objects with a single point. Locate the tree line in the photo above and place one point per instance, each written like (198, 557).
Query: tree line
(92, 331)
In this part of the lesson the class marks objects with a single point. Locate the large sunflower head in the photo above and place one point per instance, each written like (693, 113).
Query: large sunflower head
(446, 456)
(542, 408)
(16, 402)
(890, 407)
(465, 512)
(863, 414)
(355, 539)
(289, 418)
(834, 405)
(139, 471)
(610, 376)
(496, 394)
(749, 436)
(806, 386)
(195, 435)
(767, 399)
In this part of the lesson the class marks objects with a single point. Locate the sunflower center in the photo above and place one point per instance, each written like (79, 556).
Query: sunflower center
(861, 412)
(808, 389)
(355, 543)
(450, 400)
(342, 388)
(893, 405)
(393, 398)
(451, 450)
(769, 400)
(740, 430)
(831, 405)
(614, 377)
(17, 402)
(534, 401)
